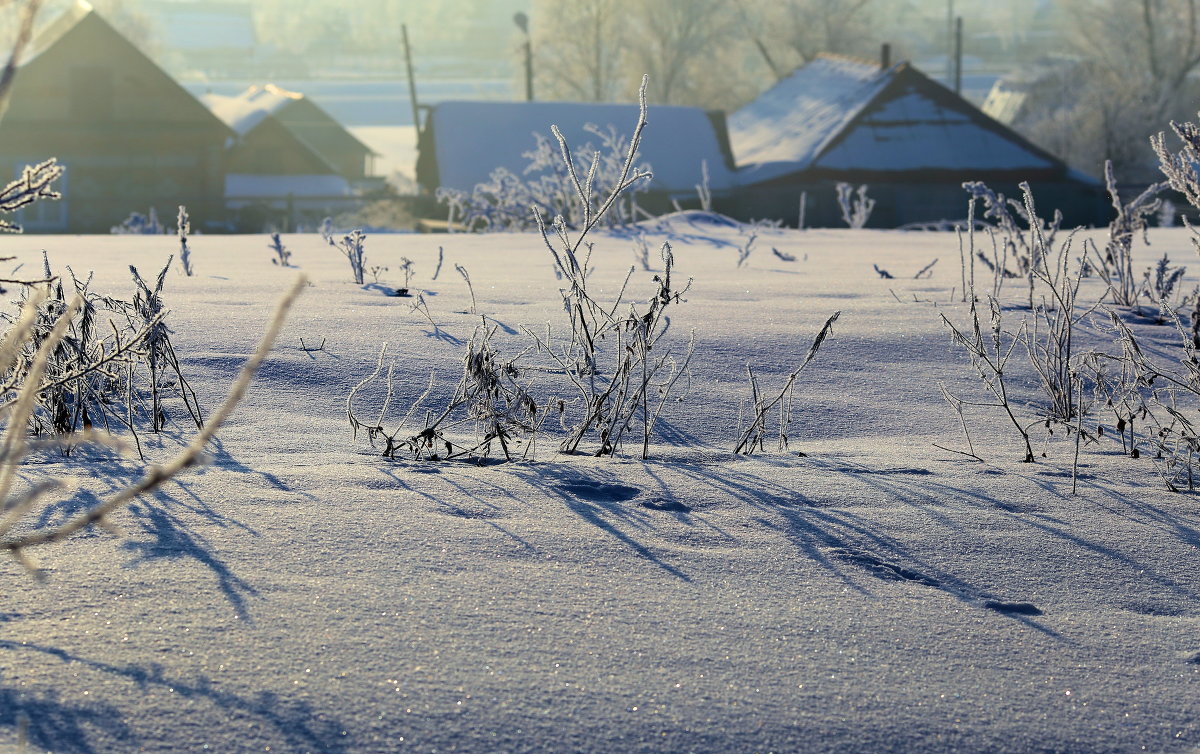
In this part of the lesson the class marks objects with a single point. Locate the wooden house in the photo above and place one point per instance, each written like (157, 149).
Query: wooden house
(127, 134)
(912, 141)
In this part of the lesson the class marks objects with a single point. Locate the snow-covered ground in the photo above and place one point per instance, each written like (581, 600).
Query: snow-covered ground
(875, 594)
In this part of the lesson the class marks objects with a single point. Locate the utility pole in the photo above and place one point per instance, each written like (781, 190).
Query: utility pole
(958, 54)
(949, 41)
(412, 82)
(522, 22)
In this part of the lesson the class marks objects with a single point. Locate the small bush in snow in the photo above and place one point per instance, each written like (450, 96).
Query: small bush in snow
(856, 206)
(615, 363)
(138, 224)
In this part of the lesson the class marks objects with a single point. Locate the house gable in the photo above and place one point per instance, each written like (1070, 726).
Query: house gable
(325, 136)
(913, 126)
(81, 54)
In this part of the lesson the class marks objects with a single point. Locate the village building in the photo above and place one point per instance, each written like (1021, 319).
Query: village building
(128, 136)
(289, 153)
(463, 143)
(911, 140)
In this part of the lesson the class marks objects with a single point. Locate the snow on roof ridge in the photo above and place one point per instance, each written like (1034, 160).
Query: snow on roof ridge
(281, 92)
(794, 120)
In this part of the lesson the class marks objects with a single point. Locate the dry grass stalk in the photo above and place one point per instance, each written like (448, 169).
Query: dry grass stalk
(754, 435)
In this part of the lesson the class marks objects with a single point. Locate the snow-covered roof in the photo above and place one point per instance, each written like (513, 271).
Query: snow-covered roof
(471, 139)
(245, 111)
(792, 121)
(842, 114)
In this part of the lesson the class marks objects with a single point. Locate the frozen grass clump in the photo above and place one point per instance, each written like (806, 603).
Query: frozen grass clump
(16, 533)
(114, 367)
(1115, 263)
(61, 378)
(1015, 250)
(490, 398)
(618, 368)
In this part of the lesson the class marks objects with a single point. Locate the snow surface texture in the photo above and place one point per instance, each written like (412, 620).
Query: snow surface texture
(303, 594)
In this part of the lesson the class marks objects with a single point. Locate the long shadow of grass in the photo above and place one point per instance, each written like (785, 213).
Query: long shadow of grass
(59, 727)
(167, 536)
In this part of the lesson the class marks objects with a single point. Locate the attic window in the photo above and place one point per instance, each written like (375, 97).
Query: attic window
(92, 92)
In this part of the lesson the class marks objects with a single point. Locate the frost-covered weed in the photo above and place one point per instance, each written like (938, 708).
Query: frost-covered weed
(1015, 250)
(353, 247)
(856, 206)
(32, 186)
(752, 435)
(614, 360)
(502, 203)
(1132, 220)
(183, 228)
(138, 224)
(283, 256)
(491, 396)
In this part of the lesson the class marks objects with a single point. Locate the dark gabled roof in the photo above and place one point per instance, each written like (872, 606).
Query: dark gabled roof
(82, 16)
(844, 114)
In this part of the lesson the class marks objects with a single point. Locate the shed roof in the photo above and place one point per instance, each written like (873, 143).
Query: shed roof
(472, 139)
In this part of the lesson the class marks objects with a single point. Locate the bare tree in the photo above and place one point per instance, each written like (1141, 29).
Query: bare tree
(580, 47)
(677, 41)
(802, 29)
(1133, 59)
